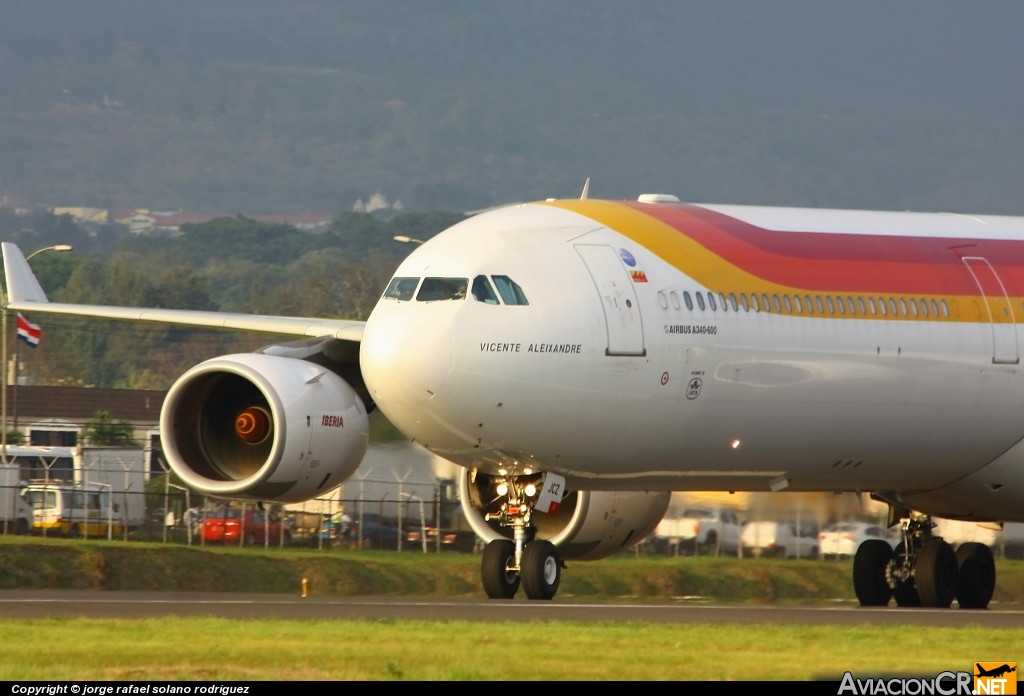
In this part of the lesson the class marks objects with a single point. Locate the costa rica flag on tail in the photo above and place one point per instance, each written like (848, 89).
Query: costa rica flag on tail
(28, 332)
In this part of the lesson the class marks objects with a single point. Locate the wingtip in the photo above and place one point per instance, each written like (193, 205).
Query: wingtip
(22, 285)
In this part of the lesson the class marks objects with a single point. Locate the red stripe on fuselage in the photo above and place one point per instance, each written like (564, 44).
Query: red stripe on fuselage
(839, 262)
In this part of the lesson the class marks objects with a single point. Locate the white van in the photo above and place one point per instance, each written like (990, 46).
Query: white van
(74, 510)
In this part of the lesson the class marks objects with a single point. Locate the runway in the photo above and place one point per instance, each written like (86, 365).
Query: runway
(35, 604)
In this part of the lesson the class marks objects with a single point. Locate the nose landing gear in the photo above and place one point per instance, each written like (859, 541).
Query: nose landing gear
(533, 564)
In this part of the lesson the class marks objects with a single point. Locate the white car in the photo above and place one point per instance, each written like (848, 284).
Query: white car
(782, 539)
(843, 539)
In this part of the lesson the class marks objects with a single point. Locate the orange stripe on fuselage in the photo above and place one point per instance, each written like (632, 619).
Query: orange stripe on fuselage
(725, 253)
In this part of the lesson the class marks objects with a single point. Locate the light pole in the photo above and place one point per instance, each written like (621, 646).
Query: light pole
(3, 311)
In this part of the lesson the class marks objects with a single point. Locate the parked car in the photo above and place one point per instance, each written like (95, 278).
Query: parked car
(698, 530)
(781, 539)
(843, 539)
(227, 525)
(375, 535)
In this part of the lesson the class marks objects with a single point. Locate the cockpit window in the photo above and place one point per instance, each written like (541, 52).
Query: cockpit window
(401, 288)
(434, 289)
(482, 290)
(511, 293)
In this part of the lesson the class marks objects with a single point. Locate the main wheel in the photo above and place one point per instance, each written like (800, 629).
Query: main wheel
(869, 566)
(541, 569)
(977, 576)
(499, 580)
(936, 573)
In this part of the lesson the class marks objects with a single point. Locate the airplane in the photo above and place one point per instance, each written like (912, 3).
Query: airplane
(580, 359)
(994, 672)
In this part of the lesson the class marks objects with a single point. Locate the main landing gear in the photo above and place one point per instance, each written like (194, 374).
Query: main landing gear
(533, 564)
(923, 570)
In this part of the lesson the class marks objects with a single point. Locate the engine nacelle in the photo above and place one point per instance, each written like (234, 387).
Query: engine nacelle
(588, 525)
(263, 427)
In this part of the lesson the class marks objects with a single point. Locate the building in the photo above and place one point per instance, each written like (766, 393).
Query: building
(56, 416)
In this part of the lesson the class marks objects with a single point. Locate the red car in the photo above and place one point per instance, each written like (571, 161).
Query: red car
(228, 526)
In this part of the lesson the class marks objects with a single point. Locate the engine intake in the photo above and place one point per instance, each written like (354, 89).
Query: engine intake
(263, 427)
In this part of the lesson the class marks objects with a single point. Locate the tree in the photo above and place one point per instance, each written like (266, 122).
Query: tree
(103, 431)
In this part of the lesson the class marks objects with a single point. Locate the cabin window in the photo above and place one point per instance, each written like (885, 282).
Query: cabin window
(935, 308)
(851, 306)
(808, 305)
(401, 288)
(673, 299)
(818, 304)
(913, 307)
(662, 299)
(924, 307)
(945, 308)
(765, 305)
(840, 306)
(788, 304)
(482, 290)
(743, 302)
(753, 302)
(722, 301)
(776, 304)
(860, 303)
(511, 293)
(732, 301)
(711, 301)
(688, 301)
(700, 300)
(831, 305)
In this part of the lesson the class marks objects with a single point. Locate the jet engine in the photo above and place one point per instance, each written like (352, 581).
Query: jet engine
(587, 525)
(263, 427)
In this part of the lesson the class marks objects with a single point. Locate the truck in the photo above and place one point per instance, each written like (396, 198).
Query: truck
(123, 470)
(15, 510)
(698, 530)
(119, 471)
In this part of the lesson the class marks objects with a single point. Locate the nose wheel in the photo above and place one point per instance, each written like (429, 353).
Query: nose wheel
(539, 570)
(499, 571)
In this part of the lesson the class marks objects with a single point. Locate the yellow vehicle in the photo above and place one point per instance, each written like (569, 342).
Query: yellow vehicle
(74, 510)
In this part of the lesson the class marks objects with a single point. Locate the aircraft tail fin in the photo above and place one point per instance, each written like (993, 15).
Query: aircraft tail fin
(22, 285)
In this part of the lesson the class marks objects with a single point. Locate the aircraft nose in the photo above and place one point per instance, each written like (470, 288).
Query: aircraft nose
(405, 358)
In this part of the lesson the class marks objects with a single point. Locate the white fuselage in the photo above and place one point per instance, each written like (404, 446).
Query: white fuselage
(608, 378)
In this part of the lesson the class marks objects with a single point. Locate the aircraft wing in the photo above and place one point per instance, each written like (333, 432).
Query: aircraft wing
(25, 294)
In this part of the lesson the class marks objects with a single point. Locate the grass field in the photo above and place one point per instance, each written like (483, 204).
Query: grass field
(208, 649)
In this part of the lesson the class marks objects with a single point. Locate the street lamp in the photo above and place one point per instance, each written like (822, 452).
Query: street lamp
(3, 310)
(407, 240)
